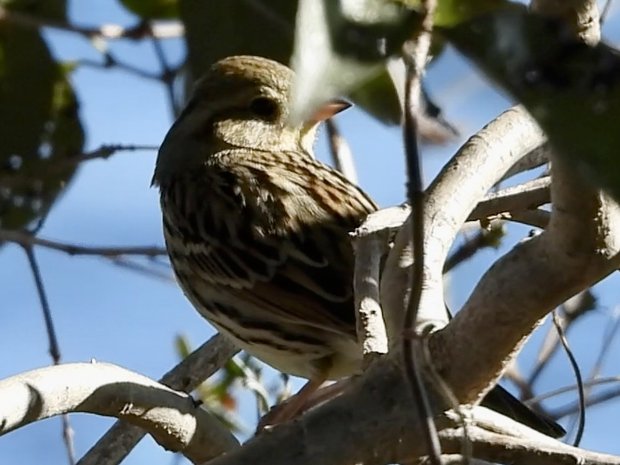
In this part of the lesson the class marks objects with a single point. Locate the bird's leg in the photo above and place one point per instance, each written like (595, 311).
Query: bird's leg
(291, 407)
(326, 393)
(308, 397)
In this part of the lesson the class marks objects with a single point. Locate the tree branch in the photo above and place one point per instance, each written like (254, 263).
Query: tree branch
(526, 196)
(163, 30)
(485, 157)
(172, 418)
(370, 242)
(387, 430)
(28, 240)
(498, 448)
(122, 437)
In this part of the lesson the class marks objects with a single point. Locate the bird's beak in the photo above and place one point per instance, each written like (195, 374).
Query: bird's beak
(328, 110)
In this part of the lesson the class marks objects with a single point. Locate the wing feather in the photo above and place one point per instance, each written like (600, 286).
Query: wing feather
(271, 231)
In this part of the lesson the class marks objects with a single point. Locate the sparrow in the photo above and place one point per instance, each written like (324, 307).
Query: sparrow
(257, 230)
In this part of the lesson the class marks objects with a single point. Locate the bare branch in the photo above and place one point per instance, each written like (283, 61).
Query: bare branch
(535, 158)
(163, 30)
(114, 446)
(387, 430)
(172, 418)
(526, 196)
(371, 244)
(591, 400)
(450, 199)
(340, 151)
(54, 347)
(506, 306)
(28, 240)
(485, 237)
(537, 218)
(106, 151)
(578, 377)
(499, 448)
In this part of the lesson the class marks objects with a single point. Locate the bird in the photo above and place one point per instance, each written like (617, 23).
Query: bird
(257, 229)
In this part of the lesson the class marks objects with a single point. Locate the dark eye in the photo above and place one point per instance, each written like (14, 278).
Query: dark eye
(264, 108)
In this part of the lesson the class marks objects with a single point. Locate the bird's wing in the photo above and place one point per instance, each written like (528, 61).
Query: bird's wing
(273, 229)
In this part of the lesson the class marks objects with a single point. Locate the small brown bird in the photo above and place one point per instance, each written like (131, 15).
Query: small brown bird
(257, 229)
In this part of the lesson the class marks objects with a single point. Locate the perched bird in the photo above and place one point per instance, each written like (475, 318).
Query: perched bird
(257, 229)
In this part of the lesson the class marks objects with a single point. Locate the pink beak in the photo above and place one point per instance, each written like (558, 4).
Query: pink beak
(328, 110)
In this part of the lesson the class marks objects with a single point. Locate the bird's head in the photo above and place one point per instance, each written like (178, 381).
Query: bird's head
(242, 101)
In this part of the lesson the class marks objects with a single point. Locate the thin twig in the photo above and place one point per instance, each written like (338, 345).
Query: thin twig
(415, 196)
(340, 151)
(594, 399)
(483, 238)
(605, 12)
(51, 167)
(577, 371)
(573, 309)
(110, 61)
(573, 387)
(415, 60)
(167, 73)
(106, 151)
(606, 345)
(28, 240)
(67, 436)
(526, 196)
(271, 17)
(537, 218)
(164, 30)
(54, 348)
(140, 268)
(42, 219)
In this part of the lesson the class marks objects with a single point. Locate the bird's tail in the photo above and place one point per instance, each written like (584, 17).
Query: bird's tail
(500, 400)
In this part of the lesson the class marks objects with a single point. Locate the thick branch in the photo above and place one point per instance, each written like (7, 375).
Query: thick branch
(580, 247)
(114, 446)
(499, 448)
(173, 419)
(518, 290)
(452, 196)
(387, 430)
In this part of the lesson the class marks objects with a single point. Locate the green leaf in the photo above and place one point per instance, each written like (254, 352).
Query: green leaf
(39, 127)
(153, 9)
(213, 32)
(453, 12)
(182, 346)
(570, 88)
(217, 29)
(339, 46)
(378, 97)
(49, 9)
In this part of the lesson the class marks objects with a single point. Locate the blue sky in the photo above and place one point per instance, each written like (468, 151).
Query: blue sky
(111, 314)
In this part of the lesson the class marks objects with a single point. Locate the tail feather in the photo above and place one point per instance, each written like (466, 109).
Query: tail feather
(500, 400)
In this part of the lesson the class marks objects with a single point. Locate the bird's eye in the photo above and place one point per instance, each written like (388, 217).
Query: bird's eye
(264, 108)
